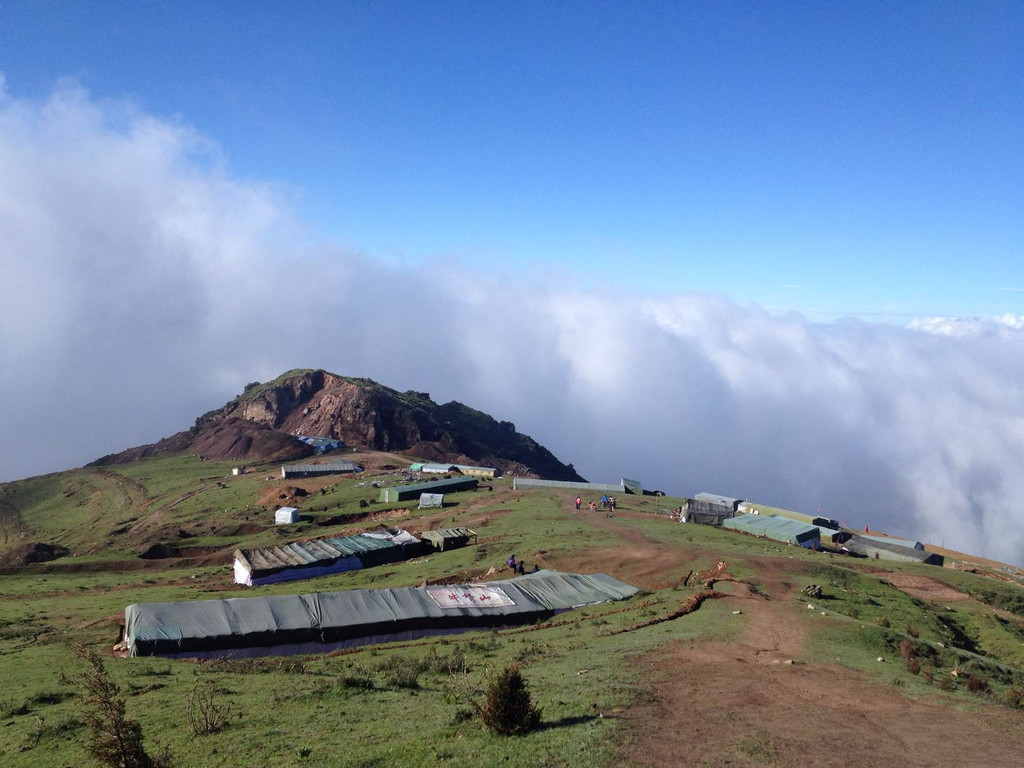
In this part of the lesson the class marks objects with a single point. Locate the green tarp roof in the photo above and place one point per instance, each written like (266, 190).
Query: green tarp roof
(244, 622)
(779, 528)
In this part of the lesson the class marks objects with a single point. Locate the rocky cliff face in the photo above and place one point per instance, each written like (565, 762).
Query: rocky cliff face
(261, 423)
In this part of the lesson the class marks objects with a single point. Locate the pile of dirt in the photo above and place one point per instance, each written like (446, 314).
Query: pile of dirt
(281, 494)
(33, 552)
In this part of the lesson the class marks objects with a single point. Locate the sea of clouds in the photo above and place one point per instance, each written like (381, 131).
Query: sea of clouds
(144, 284)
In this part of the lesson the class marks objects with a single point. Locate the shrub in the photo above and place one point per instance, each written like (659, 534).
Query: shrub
(907, 650)
(913, 631)
(115, 740)
(978, 685)
(401, 672)
(882, 622)
(507, 710)
(1014, 696)
(914, 666)
(203, 715)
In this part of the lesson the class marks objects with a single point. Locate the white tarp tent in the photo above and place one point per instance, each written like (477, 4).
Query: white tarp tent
(286, 516)
(431, 500)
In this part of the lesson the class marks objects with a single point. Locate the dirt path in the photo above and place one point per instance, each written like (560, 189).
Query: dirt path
(157, 513)
(742, 703)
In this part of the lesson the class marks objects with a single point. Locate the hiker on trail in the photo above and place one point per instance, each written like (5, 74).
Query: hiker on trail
(604, 500)
(593, 507)
(579, 502)
(521, 568)
(511, 561)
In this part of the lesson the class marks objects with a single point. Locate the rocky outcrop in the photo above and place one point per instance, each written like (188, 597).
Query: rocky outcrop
(260, 425)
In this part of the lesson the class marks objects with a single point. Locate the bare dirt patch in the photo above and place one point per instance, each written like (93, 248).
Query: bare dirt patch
(753, 702)
(925, 588)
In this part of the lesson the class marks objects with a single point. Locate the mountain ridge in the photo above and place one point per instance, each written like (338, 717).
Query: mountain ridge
(263, 422)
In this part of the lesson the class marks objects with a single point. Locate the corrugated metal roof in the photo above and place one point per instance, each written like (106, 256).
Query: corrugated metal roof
(318, 550)
(449, 533)
(330, 466)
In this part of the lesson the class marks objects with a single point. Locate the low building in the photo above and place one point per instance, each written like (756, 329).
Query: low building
(326, 621)
(893, 540)
(880, 548)
(521, 483)
(286, 516)
(444, 539)
(777, 529)
(319, 470)
(714, 498)
(750, 508)
(488, 473)
(322, 444)
(437, 469)
(705, 512)
(408, 492)
(321, 557)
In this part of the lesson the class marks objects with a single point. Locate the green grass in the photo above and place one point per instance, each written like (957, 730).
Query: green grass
(400, 705)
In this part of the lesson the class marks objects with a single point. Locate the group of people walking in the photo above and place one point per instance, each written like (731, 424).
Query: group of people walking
(608, 502)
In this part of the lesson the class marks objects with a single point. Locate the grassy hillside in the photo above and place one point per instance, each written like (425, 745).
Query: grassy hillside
(598, 672)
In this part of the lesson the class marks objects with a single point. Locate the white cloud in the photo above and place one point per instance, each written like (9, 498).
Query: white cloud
(144, 284)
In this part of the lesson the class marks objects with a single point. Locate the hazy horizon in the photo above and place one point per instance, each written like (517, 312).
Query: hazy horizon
(767, 251)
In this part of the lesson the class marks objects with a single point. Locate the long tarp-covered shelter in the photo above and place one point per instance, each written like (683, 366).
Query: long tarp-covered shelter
(320, 622)
(408, 492)
(519, 483)
(319, 470)
(751, 508)
(321, 557)
(714, 498)
(776, 528)
(891, 549)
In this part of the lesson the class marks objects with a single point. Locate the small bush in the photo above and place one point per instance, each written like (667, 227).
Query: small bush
(913, 631)
(507, 710)
(907, 650)
(401, 672)
(203, 715)
(1014, 697)
(115, 740)
(882, 622)
(914, 666)
(928, 671)
(978, 685)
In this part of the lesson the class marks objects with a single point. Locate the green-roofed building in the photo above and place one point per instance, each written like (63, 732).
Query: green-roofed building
(751, 508)
(890, 549)
(777, 528)
(408, 492)
(444, 539)
(326, 621)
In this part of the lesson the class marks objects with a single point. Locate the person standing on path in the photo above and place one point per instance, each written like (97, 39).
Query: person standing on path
(579, 503)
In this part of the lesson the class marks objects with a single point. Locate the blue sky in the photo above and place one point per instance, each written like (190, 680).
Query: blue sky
(830, 158)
